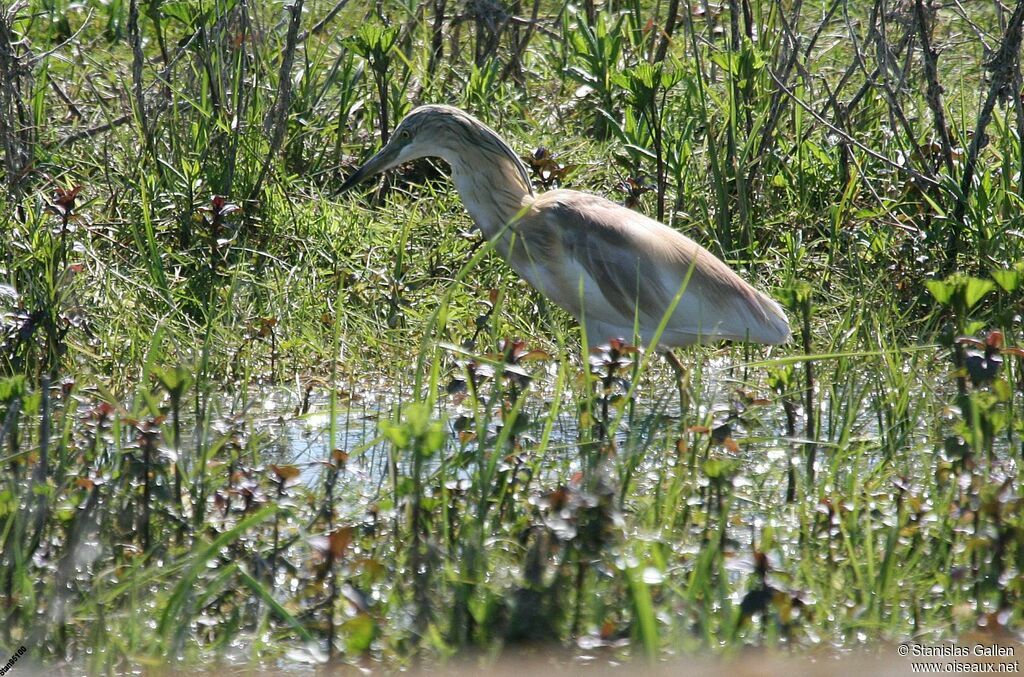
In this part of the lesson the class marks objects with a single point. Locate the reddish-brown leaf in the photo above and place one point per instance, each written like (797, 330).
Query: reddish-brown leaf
(285, 472)
(339, 540)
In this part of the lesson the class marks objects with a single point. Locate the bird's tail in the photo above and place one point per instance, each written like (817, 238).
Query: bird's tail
(775, 329)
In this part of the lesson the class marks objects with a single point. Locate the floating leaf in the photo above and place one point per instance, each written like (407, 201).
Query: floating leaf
(285, 472)
(339, 540)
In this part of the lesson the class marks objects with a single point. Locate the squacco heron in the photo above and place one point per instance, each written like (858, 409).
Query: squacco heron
(618, 272)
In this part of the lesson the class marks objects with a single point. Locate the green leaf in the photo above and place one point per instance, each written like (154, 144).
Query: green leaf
(405, 486)
(795, 296)
(396, 433)
(12, 387)
(975, 327)
(751, 55)
(720, 468)
(360, 632)
(1008, 280)
(976, 289)
(727, 61)
(434, 439)
(941, 290)
(169, 618)
(373, 42)
(8, 503)
(175, 380)
(670, 77)
(647, 75)
(417, 431)
(781, 378)
(180, 11)
(643, 610)
(275, 606)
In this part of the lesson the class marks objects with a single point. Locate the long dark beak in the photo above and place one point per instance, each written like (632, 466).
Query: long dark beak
(384, 160)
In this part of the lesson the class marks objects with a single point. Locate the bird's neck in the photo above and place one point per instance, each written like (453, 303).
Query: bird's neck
(494, 192)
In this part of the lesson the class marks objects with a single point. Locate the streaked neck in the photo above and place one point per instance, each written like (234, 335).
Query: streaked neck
(493, 188)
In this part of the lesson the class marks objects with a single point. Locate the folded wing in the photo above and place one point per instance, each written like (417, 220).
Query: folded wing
(608, 264)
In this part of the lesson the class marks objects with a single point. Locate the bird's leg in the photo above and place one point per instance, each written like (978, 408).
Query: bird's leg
(682, 380)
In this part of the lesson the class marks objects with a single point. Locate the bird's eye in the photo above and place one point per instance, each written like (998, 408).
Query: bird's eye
(405, 134)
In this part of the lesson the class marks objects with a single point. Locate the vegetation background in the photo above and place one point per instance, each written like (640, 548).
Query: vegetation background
(246, 421)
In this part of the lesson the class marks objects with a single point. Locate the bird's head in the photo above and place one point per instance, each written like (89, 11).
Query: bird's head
(428, 131)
